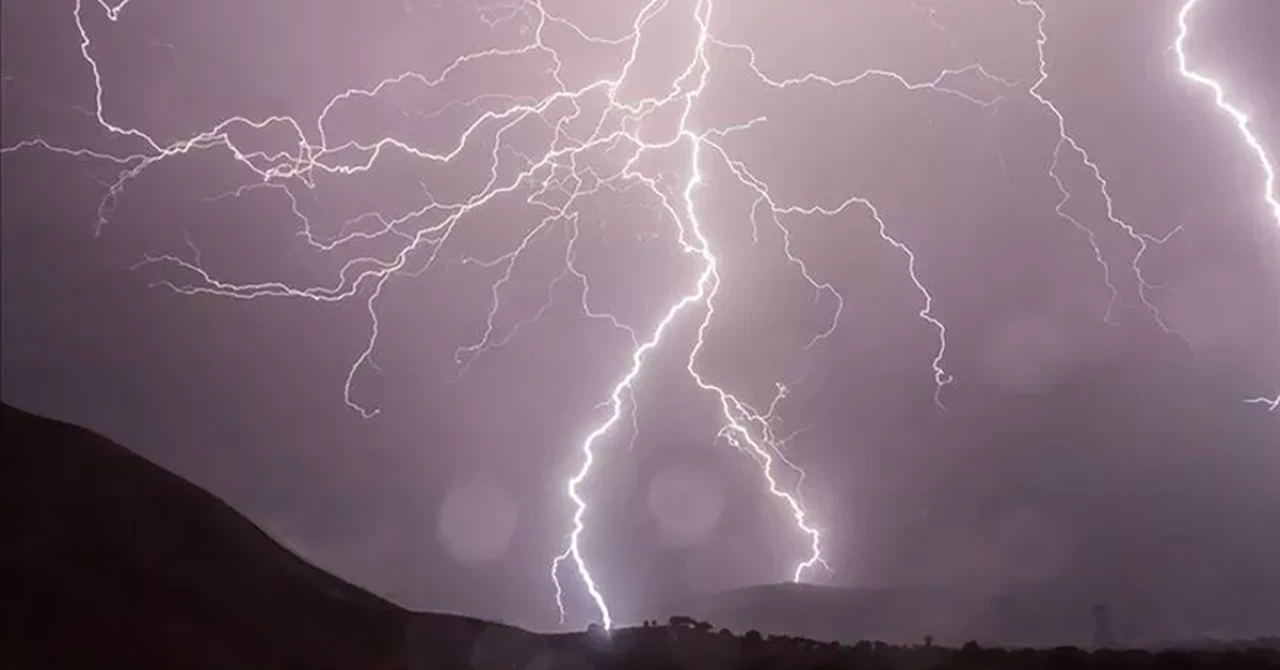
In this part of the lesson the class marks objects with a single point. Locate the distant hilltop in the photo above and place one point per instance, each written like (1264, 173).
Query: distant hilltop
(1039, 615)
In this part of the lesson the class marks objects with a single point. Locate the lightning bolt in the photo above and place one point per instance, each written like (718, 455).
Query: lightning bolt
(737, 415)
(1241, 121)
(557, 182)
(1270, 403)
(1067, 140)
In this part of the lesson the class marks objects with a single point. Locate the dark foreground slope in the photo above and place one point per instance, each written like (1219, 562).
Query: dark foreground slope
(111, 561)
(108, 561)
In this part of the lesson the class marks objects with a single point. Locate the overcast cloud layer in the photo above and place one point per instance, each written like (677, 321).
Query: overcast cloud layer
(1069, 449)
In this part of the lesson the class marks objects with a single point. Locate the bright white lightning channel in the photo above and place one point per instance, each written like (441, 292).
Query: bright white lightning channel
(1241, 121)
(555, 184)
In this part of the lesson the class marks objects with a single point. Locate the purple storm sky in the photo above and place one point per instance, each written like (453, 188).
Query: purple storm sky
(510, 229)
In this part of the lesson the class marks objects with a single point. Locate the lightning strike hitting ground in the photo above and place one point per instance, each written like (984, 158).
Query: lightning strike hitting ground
(1241, 120)
(557, 181)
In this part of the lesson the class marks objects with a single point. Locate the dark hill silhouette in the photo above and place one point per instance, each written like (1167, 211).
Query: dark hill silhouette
(109, 561)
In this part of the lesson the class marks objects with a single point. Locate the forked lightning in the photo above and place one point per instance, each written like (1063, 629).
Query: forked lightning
(559, 180)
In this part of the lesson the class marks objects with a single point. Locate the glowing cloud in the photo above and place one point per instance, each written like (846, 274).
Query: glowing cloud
(555, 183)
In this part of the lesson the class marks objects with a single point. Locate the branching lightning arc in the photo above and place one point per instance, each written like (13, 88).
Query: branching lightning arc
(1268, 170)
(560, 178)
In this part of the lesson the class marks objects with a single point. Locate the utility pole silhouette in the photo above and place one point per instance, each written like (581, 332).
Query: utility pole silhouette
(1102, 635)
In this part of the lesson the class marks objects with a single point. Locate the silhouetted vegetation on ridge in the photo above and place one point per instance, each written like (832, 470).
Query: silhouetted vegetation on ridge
(110, 561)
(688, 644)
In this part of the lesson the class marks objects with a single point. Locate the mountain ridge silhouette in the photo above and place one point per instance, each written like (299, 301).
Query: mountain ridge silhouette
(110, 556)
(111, 560)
